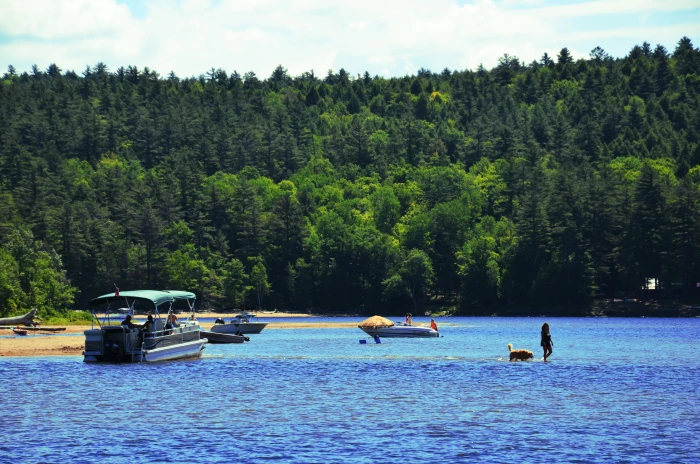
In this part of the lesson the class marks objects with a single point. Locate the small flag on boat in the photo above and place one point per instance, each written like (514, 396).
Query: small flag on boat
(116, 290)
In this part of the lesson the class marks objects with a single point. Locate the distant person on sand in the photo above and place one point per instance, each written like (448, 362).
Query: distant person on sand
(127, 322)
(546, 342)
(433, 325)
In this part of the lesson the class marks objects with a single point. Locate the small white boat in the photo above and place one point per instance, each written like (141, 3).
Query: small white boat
(400, 331)
(377, 326)
(241, 324)
(213, 337)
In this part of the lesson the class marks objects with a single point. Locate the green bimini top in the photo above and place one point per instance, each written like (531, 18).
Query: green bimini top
(157, 297)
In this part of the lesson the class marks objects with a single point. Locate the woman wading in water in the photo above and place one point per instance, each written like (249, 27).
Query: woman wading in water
(546, 342)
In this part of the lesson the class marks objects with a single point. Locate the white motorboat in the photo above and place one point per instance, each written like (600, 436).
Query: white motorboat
(377, 326)
(214, 337)
(241, 324)
(397, 331)
(163, 342)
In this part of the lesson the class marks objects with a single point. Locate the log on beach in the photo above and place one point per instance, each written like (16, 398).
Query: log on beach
(36, 329)
(29, 320)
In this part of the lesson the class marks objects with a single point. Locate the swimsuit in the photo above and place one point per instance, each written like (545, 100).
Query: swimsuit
(546, 340)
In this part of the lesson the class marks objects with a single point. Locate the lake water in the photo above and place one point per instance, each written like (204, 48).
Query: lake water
(616, 390)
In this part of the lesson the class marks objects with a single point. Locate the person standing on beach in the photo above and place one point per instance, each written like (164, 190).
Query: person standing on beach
(546, 342)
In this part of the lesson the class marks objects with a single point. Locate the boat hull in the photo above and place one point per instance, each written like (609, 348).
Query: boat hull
(186, 350)
(120, 344)
(401, 331)
(244, 328)
(214, 337)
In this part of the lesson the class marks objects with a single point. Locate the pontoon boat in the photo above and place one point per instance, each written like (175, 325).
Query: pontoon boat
(113, 342)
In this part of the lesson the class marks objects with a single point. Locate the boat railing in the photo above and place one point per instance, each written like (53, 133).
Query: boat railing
(161, 333)
(246, 317)
(181, 329)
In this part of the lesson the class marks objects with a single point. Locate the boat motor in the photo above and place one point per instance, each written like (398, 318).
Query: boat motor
(113, 350)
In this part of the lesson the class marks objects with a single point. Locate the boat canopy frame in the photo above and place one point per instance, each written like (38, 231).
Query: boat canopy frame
(156, 297)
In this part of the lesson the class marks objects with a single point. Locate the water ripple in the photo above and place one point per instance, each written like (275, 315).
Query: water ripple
(316, 395)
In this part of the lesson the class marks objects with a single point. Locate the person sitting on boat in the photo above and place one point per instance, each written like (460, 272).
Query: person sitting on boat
(433, 325)
(148, 325)
(171, 321)
(127, 322)
(219, 321)
(408, 320)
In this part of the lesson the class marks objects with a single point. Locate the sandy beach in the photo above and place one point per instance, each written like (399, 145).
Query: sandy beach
(58, 344)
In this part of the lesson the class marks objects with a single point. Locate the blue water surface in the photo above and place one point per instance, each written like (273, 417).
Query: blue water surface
(616, 390)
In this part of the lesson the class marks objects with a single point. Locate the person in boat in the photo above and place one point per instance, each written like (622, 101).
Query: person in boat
(219, 321)
(127, 322)
(433, 325)
(148, 325)
(171, 321)
(546, 342)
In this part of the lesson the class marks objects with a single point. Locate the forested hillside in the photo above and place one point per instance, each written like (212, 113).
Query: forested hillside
(529, 185)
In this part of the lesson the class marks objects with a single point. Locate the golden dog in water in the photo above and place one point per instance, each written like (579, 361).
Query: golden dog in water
(519, 354)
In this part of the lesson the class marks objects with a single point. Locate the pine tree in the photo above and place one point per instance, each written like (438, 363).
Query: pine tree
(312, 96)
(649, 220)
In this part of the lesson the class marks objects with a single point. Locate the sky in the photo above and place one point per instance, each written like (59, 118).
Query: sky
(383, 37)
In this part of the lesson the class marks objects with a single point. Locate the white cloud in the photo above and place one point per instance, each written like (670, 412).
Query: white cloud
(62, 19)
(601, 7)
(392, 37)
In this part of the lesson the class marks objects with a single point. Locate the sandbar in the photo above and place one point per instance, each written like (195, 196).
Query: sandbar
(51, 344)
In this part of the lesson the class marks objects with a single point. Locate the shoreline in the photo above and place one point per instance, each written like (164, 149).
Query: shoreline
(58, 344)
(629, 312)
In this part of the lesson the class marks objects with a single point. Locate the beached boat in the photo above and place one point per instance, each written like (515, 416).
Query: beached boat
(120, 343)
(215, 337)
(19, 331)
(242, 324)
(377, 326)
